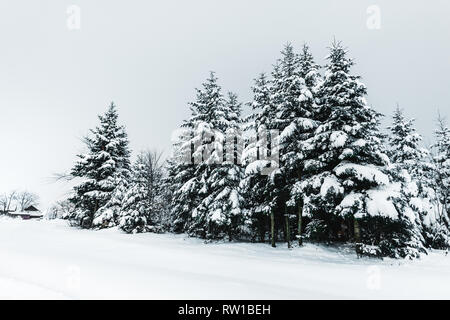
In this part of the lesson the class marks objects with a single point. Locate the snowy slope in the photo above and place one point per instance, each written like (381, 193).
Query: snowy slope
(48, 259)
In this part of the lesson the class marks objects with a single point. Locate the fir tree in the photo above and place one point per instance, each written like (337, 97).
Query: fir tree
(107, 216)
(107, 159)
(441, 184)
(410, 168)
(260, 161)
(296, 112)
(287, 91)
(442, 161)
(136, 207)
(202, 144)
(181, 185)
(223, 204)
(207, 125)
(404, 145)
(346, 167)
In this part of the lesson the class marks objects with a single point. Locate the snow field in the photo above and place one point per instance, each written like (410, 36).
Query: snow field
(50, 260)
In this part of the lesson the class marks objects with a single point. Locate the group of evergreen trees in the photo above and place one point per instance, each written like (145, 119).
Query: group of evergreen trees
(309, 162)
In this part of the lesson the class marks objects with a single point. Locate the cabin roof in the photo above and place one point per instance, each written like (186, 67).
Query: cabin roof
(31, 208)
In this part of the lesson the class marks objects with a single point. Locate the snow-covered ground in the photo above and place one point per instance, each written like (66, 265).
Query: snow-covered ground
(49, 260)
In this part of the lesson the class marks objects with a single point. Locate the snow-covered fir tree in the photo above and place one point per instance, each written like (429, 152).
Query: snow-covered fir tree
(404, 143)
(411, 168)
(223, 205)
(135, 209)
(287, 91)
(107, 216)
(346, 176)
(214, 118)
(257, 185)
(206, 126)
(296, 108)
(181, 186)
(441, 183)
(442, 161)
(202, 143)
(107, 160)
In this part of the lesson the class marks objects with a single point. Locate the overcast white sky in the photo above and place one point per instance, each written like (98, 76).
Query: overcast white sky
(148, 56)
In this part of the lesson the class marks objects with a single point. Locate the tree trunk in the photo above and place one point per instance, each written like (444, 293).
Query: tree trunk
(299, 225)
(300, 213)
(288, 233)
(357, 235)
(272, 228)
(356, 230)
(262, 230)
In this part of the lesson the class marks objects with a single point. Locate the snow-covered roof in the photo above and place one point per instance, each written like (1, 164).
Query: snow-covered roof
(31, 208)
(26, 213)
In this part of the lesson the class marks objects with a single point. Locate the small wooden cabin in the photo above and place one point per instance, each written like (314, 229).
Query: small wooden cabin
(29, 213)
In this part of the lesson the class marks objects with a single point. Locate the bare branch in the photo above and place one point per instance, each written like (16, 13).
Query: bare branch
(26, 199)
